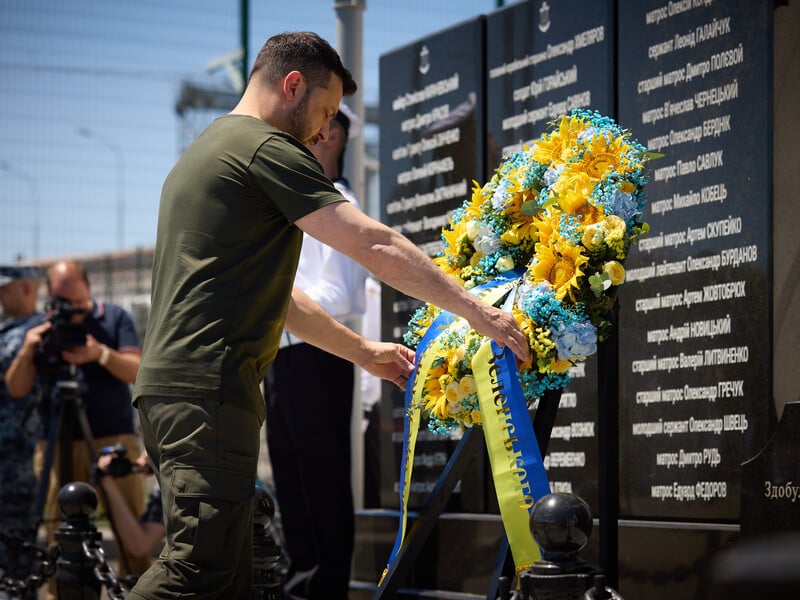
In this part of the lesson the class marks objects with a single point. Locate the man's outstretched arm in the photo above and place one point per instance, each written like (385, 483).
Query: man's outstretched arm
(396, 261)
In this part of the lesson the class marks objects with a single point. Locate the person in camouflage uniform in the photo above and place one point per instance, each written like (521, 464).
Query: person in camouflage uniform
(19, 421)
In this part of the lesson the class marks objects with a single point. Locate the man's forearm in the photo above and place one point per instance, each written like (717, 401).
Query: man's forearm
(127, 524)
(21, 374)
(307, 320)
(123, 365)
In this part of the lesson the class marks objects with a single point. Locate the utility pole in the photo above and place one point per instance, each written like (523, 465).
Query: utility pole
(350, 44)
(244, 27)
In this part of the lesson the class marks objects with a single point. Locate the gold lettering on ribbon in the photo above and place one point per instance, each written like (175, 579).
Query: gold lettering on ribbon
(510, 441)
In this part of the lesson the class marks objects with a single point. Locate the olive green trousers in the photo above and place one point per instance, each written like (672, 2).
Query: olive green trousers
(205, 453)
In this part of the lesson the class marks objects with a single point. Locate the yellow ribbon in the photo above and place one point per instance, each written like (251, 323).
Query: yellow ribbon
(505, 461)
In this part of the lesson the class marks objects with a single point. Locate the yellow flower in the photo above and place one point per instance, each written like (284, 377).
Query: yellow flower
(615, 272)
(453, 392)
(557, 146)
(468, 386)
(560, 264)
(504, 263)
(432, 386)
(546, 224)
(560, 366)
(614, 226)
(593, 236)
(615, 234)
(472, 229)
(475, 414)
(573, 189)
(458, 355)
(437, 405)
(511, 237)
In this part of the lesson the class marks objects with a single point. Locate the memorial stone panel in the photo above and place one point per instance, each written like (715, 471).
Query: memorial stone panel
(695, 391)
(771, 481)
(431, 117)
(544, 60)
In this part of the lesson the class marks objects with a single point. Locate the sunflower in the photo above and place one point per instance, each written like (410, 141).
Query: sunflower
(559, 264)
(546, 225)
(557, 147)
(602, 157)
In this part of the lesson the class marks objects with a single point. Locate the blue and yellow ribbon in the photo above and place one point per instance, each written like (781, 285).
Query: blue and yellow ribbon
(516, 463)
(517, 466)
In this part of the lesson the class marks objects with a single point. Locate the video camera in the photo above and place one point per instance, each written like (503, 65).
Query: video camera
(120, 464)
(64, 334)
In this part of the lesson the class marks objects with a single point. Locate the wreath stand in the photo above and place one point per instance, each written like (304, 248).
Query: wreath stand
(543, 419)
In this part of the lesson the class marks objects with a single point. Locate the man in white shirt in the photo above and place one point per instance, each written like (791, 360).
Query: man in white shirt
(309, 396)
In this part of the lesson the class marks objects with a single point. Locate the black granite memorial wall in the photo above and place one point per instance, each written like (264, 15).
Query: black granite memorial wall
(691, 79)
(695, 85)
(544, 60)
(431, 150)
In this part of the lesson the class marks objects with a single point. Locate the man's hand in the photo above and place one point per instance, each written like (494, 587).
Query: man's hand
(389, 361)
(33, 338)
(80, 355)
(502, 328)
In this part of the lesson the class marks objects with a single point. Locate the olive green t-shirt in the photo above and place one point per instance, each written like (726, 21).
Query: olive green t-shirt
(225, 259)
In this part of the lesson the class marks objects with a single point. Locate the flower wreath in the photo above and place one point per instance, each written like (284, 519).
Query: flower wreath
(558, 219)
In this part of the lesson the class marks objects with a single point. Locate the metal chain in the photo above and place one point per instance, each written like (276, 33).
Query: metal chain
(43, 566)
(93, 551)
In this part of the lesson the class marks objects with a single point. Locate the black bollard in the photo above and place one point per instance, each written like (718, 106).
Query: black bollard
(75, 577)
(266, 553)
(561, 524)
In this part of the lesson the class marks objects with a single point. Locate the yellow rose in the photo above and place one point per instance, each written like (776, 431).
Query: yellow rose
(476, 416)
(504, 263)
(472, 229)
(453, 392)
(615, 272)
(614, 226)
(593, 236)
(467, 385)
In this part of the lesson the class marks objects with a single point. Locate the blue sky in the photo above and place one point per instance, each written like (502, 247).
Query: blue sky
(87, 102)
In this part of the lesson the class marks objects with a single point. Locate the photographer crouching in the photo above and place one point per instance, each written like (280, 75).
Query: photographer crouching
(141, 534)
(96, 346)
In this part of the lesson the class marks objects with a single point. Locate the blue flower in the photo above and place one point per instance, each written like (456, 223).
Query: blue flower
(624, 205)
(552, 174)
(500, 196)
(576, 340)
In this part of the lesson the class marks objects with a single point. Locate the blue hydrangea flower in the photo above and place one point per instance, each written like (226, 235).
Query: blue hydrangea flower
(500, 196)
(552, 174)
(624, 205)
(576, 340)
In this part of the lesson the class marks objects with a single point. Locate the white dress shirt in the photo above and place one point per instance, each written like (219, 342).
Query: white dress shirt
(331, 279)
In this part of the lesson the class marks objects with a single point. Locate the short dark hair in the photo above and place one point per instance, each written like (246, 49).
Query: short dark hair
(302, 51)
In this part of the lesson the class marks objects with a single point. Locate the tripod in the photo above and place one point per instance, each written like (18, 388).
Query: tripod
(65, 405)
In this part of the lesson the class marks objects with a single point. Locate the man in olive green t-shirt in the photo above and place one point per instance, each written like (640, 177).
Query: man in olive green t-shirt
(230, 227)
